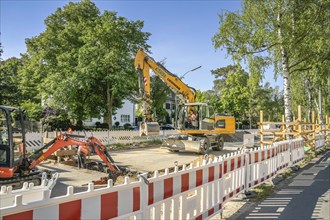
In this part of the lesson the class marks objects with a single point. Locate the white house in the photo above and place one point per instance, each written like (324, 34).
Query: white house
(124, 115)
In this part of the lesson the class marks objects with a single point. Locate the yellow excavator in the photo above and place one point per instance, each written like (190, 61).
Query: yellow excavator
(199, 126)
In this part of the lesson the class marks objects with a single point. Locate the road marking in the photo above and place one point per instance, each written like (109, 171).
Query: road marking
(261, 214)
(265, 217)
(280, 209)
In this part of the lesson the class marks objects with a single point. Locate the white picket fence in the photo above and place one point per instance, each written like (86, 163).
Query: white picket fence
(34, 140)
(193, 192)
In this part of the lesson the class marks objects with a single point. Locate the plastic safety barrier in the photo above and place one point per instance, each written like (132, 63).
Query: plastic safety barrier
(192, 192)
(29, 192)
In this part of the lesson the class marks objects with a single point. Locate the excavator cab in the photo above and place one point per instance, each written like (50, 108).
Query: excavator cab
(12, 148)
(195, 116)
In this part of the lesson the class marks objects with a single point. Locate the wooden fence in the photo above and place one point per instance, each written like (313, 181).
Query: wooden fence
(314, 133)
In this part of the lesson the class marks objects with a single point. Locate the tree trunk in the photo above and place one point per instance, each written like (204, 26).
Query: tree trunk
(109, 105)
(319, 104)
(286, 73)
(310, 100)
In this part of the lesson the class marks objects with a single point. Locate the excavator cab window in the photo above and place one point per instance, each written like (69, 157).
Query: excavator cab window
(4, 140)
(188, 117)
(17, 120)
(207, 117)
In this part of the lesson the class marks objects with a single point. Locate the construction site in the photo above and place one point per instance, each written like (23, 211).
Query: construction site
(202, 165)
(97, 123)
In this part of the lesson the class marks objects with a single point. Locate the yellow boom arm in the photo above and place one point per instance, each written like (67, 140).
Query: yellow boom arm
(143, 63)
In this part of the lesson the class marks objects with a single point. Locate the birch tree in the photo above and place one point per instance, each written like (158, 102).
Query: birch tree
(276, 33)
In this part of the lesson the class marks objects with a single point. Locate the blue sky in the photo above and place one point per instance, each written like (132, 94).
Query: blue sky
(181, 31)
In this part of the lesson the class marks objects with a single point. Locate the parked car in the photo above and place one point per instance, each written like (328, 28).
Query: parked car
(167, 127)
(135, 128)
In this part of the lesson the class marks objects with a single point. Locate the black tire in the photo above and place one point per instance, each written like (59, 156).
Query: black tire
(220, 144)
(204, 146)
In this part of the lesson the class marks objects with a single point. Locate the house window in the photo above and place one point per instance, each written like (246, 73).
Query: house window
(125, 118)
(168, 106)
(173, 106)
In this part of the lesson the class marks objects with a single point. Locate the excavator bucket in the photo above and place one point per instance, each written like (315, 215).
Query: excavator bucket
(149, 129)
(176, 145)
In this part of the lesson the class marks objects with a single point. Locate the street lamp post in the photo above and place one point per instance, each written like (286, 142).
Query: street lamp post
(190, 71)
(176, 101)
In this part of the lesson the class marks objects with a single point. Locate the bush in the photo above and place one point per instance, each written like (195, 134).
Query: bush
(97, 124)
(127, 126)
(117, 124)
(104, 125)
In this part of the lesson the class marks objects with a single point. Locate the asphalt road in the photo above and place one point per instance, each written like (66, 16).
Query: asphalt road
(307, 196)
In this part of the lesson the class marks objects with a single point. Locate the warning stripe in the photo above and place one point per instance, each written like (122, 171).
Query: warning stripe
(109, 205)
(28, 215)
(70, 210)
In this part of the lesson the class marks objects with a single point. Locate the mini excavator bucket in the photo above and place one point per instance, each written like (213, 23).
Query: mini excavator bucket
(149, 129)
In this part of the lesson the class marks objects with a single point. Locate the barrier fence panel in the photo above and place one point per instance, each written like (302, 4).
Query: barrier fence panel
(262, 165)
(189, 193)
(194, 192)
(283, 154)
(29, 192)
(297, 150)
(33, 140)
(110, 202)
(234, 174)
(319, 140)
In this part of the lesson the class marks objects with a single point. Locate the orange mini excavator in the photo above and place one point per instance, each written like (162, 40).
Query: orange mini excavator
(16, 166)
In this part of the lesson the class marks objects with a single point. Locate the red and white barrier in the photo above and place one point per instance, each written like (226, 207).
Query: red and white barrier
(283, 154)
(29, 192)
(297, 150)
(234, 170)
(185, 194)
(196, 192)
(105, 203)
(262, 165)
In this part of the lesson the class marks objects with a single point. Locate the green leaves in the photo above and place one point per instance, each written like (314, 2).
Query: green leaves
(292, 36)
(83, 61)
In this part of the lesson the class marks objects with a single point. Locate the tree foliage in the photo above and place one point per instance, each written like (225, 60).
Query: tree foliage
(9, 81)
(291, 36)
(83, 61)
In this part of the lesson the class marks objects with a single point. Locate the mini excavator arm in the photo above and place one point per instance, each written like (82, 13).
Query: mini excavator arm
(65, 140)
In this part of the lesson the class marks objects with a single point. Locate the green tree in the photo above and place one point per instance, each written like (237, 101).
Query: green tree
(279, 32)
(84, 60)
(9, 82)
(235, 95)
(158, 95)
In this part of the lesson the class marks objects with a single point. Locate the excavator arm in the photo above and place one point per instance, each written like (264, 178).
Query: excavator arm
(144, 63)
(65, 140)
(103, 153)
